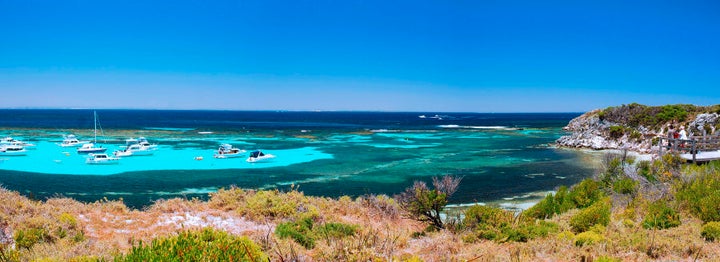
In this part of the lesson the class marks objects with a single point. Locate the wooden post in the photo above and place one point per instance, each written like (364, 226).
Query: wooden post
(694, 151)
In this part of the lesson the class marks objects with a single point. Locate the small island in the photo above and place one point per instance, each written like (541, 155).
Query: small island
(661, 208)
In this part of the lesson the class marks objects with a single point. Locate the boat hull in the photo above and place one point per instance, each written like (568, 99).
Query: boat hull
(260, 158)
(93, 150)
(13, 153)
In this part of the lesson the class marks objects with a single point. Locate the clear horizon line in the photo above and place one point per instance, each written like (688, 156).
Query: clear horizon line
(288, 110)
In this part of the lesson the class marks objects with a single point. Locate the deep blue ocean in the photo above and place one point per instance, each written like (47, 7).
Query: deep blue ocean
(501, 157)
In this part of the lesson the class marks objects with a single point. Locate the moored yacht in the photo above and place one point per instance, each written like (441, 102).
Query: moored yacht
(12, 150)
(135, 150)
(101, 159)
(90, 147)
(11, 141)
(71, 141)
(228, 151)
(258, 155)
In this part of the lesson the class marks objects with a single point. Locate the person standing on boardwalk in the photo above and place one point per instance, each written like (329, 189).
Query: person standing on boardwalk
(683, 136)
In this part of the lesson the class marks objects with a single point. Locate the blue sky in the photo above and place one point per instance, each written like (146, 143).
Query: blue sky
(470, 56)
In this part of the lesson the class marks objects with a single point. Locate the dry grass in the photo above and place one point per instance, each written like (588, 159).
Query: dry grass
(109, 228)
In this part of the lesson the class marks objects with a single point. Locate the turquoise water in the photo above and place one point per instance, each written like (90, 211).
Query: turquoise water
(322, 154)
(49, 158)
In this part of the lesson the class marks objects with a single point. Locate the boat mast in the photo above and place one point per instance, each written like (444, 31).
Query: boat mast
(95, 122)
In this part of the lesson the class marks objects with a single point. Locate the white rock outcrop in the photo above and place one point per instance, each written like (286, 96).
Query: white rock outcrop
(589, 131)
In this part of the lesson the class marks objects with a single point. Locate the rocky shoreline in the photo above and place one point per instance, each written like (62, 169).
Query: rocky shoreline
(591, 131)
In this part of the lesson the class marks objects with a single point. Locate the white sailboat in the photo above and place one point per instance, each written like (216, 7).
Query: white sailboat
(90, 147)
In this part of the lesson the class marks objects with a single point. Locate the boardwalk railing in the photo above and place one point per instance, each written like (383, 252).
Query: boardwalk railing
(694, 145)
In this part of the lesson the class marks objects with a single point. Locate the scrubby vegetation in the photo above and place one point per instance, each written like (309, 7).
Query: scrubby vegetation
(206, 245)
(635, 115)
(630, 211)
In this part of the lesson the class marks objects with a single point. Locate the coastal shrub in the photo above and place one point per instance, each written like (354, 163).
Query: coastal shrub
(424, 204)
(276, 204)
(496, 224)
(299, 231)
(711, 231)
(708, 208)
(592, 236)
(565, 235)
(635, 135)
(700, 191)
(305, 232)
(586, 193)
(668, 167)
(607, 259)
(8, 254)
(485, 215)
(643, 169)
(558, 203)
(635, 115)
(383, 204)
(613, 169)
(336, 230)
(26, 238)
(67, 220)
(616, 131)
(205, 245)
(597, 213)
(625, 186)
(660, 216)
(227, 199)
(588, 238)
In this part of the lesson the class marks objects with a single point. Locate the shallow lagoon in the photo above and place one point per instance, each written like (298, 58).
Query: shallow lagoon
(49, 158)
(376, 154)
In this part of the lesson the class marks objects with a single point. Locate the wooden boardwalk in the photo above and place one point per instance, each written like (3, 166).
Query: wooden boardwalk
(698, 149)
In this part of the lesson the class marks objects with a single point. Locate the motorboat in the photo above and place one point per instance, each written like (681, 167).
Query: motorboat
(144, 142)
(90, 147)
(71, 141)
(12, 150)
(11, 141)
(101, 159)
(228, 151)
(135, 150)
(258, 155)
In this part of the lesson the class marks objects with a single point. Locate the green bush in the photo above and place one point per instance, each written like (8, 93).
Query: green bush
(643, 169)
(205, 245)
(661, 216)
(300, 231)
(598, 213)
(708, 208)
(635, 135)
(586, 193)
(616, 131)
(426, 205)
(588, 238)
(551, 205)
(272, 203)
(701, 193)
(304, 232)
(29, 237)
(492, 216)
(711, 231)
(336, 230)
(607, 259)
(625, 186)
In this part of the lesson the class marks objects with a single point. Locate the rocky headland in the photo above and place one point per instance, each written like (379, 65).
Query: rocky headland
(634, 127)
